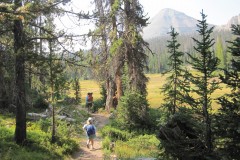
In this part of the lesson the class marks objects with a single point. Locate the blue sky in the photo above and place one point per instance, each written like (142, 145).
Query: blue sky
(218, 11)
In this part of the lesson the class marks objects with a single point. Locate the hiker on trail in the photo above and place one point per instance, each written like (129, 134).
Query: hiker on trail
(90, 130)
(89, 102)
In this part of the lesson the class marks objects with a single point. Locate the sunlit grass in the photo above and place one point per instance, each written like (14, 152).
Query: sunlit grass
(155, 97)
(90, 86)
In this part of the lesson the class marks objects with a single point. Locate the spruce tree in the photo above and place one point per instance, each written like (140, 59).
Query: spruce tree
(228, 119)
(175, 86)
(204, 85)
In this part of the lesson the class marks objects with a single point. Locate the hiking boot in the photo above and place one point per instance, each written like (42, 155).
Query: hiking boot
(88, 146)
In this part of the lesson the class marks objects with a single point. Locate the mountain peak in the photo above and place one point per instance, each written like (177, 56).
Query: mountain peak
(161, 23)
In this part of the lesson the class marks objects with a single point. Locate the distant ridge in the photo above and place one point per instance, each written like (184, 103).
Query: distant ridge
(234, 20)
(161, 23)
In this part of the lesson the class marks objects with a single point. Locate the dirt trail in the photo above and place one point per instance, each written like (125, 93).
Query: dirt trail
(97, 154)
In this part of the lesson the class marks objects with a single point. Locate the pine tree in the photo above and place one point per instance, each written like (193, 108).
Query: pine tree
(175, 87)
(228, 120)
(133, 47)
(204, 85)
(19, 43)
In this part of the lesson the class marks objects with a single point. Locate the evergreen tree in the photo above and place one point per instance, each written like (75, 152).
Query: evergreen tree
(113, 47)
(204, 85)
(23, 32)
(103, 64)
(228, 120)
(133, 47)
(19, 44)
(175, 87)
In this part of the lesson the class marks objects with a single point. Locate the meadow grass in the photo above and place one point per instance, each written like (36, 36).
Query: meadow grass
(155, 96)
(90, 86)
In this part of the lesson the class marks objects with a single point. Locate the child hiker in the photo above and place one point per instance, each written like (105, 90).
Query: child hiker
(90, 130)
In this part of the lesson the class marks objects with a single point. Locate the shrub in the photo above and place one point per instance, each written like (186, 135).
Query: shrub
(181, 136)
(98, 103)
(115, 134)
(140, 146)
(38, 145)
(133, 111)
(40, 102)
(106, 143)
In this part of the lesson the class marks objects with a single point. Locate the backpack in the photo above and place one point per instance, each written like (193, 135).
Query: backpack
(90, 130)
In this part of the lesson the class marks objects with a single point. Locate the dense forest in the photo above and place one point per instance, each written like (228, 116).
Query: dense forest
(39, 69)
(157, 61)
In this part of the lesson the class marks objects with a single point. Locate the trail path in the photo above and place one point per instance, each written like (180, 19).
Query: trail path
(84, 153)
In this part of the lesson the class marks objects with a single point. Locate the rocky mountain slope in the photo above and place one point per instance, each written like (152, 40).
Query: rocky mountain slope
(161, 23)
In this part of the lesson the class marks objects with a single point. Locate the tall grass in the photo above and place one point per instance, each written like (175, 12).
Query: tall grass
(155, 96)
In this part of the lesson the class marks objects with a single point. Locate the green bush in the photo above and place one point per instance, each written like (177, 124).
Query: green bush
(98, 104)
(140, 146)
(106, 143)
(133, 111)
(38, 145)
(115, 134)
(6, 133)
(40, 102)
(181, 136)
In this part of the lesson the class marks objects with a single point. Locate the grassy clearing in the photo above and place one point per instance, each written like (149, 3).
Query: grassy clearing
(155, 97)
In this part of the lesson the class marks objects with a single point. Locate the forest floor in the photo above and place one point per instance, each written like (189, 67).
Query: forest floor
(100, 120)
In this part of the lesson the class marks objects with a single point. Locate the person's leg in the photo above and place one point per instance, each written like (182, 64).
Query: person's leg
(88, 143)
(92, 143)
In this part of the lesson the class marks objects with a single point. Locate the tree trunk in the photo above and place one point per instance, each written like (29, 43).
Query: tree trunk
(118, 59)
(20, 131)
(42, 71)
(3, 95)
(52, 92)
(118, 82)
(110, 93)
(207, 121)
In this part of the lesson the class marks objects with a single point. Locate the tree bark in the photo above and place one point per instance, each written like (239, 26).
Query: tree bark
(110, 93)
(3, 94)
(207, 120)
(20, 131)
(118, 82)
(118, 58)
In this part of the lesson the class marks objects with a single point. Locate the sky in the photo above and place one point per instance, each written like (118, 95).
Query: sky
(218, 11)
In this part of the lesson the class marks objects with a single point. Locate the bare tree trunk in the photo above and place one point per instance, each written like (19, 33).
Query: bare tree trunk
(20, 131)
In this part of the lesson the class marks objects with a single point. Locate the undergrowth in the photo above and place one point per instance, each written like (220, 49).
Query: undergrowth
(38, 145)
